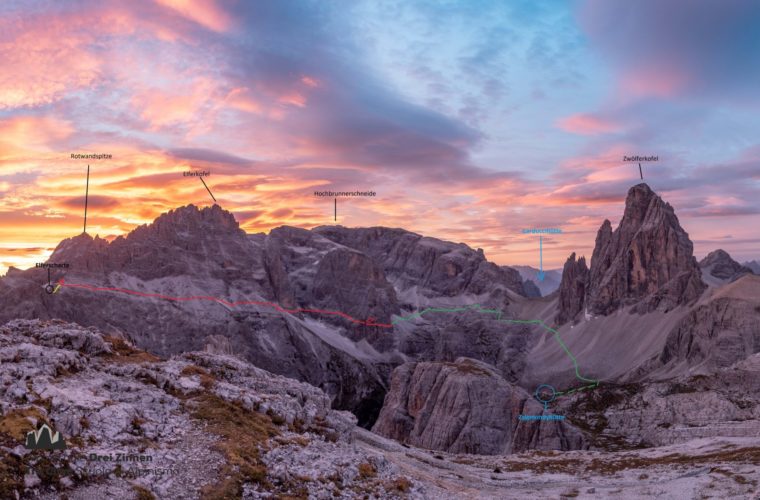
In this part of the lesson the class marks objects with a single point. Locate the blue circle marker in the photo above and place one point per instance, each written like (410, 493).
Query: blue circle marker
(545, 394)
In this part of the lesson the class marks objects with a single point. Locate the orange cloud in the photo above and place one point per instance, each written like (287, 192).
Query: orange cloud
(31, 132)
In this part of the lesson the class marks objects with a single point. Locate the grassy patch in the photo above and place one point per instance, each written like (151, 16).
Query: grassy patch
(123, 352)
(207, 380)
(614, 464)
(276, 419)
(611, 466)
(319, 426)
(367, 470)
(736, 477)
(143, 493)
(11, 475)
(562, 465)
(243, 434)
(16, 423)
(399, 485)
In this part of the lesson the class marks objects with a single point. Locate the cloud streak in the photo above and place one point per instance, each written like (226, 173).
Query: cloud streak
(470, 120)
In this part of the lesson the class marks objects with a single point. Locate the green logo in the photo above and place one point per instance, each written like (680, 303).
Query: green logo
(45, 438)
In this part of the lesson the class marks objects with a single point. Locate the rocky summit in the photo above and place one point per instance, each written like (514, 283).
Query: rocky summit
(646, 262)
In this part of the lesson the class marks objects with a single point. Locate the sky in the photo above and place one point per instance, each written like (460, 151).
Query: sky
(471, 120)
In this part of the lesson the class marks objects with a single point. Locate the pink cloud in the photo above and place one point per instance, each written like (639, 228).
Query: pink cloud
(241, 98)
(587, 124)
(610, 157)
(44, 58)
(204, 12)
(659, 82)
(176, 104)
(294, 99)
(309, 81)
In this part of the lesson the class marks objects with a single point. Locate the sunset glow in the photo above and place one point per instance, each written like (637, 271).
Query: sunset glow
(469, 129)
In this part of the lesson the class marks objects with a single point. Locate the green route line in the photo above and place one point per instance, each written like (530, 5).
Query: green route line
(370, 322)
(477, 308)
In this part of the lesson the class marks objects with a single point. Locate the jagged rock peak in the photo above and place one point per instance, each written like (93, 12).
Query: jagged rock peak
(188, 223)
(78, 248)
(637, 202)
(191, 217)
(647, 261)
(716, 256)
(572, 289)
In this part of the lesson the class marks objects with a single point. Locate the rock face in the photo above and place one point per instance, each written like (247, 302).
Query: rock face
(208, 419)
(193, 280)
(725, 403)
(347, 277)
(572, 289)
(720, 331)
(466, 407)
(647, 261)
(435, 267)
(648, 258)
(720, 266)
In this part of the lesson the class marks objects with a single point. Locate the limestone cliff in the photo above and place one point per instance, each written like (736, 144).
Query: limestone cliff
(646, 262)
(467, 407)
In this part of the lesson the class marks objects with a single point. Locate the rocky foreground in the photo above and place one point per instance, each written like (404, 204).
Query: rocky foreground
(202, 425)
(196, 425)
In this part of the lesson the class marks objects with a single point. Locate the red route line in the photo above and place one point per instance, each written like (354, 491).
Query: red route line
(278, 307)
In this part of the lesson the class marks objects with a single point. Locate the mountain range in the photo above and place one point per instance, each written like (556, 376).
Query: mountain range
(429, 343)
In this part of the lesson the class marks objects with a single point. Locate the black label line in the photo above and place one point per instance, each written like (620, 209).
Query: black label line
(335, 213)
(86, 196)
(207, 189)
(641, 173)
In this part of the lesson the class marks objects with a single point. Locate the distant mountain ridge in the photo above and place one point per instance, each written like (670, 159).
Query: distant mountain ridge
(719, 267)
(754, 265)
(550, 283)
